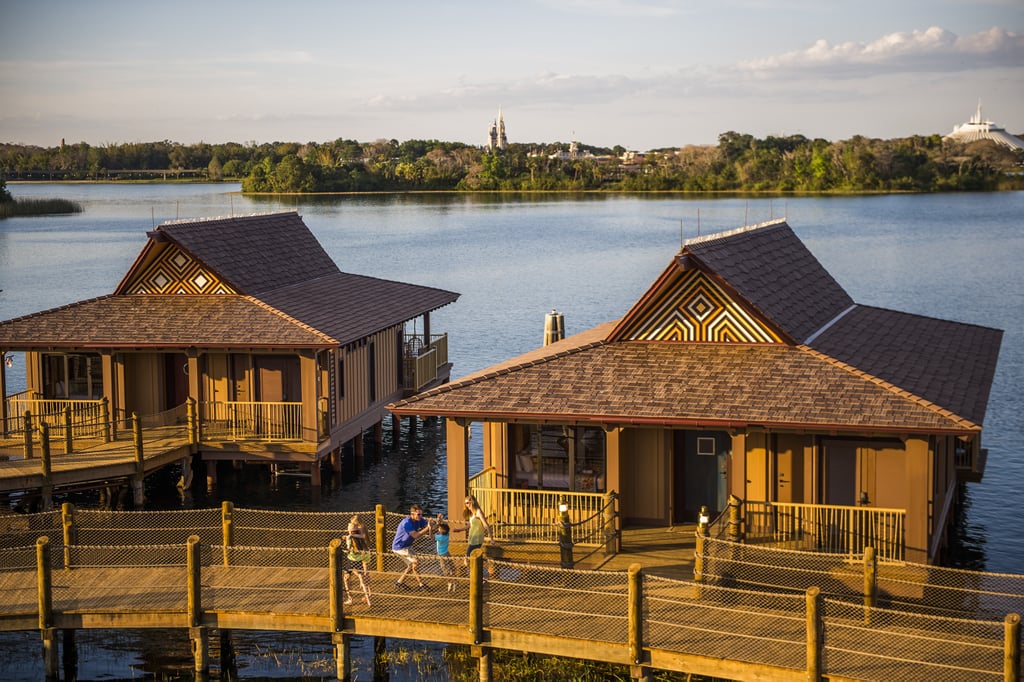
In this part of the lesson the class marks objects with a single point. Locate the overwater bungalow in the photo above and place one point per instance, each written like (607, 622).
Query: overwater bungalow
(284, 357)
(745, 375)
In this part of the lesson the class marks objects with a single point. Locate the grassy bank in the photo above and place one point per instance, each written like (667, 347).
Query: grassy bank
(31, 207)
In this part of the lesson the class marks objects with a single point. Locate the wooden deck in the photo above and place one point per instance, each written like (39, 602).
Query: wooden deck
(91, 462)
(624, 617)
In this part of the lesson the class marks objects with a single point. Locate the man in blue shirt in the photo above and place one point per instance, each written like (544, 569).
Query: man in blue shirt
(410, 528)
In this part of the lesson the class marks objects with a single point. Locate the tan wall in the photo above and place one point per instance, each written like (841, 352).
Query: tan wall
(644, 475)
(145, 383)
(357, 374)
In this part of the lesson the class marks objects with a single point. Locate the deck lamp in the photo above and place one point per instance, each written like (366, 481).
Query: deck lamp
(562, 507)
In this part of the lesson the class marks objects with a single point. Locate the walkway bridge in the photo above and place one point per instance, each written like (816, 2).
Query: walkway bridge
(231, 569)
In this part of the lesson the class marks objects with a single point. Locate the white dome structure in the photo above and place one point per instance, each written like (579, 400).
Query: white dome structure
(980, 129)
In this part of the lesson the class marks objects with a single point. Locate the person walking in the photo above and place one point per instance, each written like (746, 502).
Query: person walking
(444, 555)
(358, 553)
(409, 530)
(478, 528)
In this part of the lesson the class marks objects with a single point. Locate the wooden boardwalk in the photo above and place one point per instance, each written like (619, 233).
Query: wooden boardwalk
(626, 617)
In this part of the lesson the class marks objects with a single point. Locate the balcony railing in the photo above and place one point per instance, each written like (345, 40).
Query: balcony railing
(830, 529)
(86, 418)
(423, 357)
(241, 421)
(533, 515)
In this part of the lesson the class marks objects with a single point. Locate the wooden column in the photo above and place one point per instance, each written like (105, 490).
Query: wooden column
(870, 581)
(457, 435)
(1011, 648)
(918, 498)
(138, 492)
(44, 456)
(47, 632)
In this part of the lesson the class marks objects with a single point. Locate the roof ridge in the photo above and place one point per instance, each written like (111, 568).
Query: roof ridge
(731, 233)
(285, 316)
(892, 388)
(207, 219)
(476, 378)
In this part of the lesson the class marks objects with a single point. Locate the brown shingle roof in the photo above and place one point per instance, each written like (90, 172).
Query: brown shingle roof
(949, 363)
(775, 385)
(254, 253)
(155, 320)
(349, 307)
(770, 267)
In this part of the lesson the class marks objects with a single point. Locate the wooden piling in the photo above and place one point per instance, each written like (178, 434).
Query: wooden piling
(476, 596)
(815, 629)
(47, 632)
(635, 615)
(195, 602)
(870, 582)
(380, 535)
(108, 428)
(138, 493)
(227, 529)
(1011, 647)
(193, 425)
(47, 470)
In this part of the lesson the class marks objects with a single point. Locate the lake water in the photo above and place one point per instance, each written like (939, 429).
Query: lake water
(513, 259)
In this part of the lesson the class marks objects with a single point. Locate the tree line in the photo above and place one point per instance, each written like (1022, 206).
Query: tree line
(739, 162)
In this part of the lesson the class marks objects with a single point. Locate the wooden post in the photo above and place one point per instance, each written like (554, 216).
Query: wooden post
(69, 654)
(68, 441)
(140, 462)
(476, 596)
(27, 420)
(342, 655)
(227, 529)
(47, 632)
(44, 455)
(735, 523)
(67, 515)
(1011, 648)
(636, 615)
(193, 425)
(870, 581)
(195, 596)
(379, 534)
(336, 580)
(814, 634)
(106, 421)
(700, 548)
(611, 531)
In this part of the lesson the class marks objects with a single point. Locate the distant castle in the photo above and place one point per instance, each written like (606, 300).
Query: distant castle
(980, 129)
(496, 135)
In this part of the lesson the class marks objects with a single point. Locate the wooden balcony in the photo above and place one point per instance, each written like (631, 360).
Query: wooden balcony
(425, 362)
(233, 421)
(829, 529)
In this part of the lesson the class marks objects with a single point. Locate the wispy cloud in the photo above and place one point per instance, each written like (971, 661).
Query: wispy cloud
(934, 49)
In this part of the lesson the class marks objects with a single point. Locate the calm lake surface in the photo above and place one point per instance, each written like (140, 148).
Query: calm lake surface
(513, 259)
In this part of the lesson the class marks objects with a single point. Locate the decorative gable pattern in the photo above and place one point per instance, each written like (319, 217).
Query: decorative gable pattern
(692, 307)
(175, 272)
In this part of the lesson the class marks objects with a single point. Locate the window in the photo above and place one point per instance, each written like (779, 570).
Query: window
(72, 376)
(558, 457)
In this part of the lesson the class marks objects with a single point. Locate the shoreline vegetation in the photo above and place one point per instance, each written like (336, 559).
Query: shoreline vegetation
(11, 207)
(738, 164)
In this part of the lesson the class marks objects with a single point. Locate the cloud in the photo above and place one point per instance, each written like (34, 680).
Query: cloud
(933, 50)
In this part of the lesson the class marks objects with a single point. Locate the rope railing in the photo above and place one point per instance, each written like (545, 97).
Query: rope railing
(624, 617)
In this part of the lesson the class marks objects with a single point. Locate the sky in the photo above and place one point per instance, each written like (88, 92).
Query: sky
(642, 74)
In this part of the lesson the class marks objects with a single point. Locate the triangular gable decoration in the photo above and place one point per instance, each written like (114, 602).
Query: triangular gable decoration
(692, 307)
(175, 272)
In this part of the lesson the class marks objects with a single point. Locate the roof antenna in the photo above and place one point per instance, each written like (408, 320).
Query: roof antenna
(152, 216)
(698, 222)
(176, 203)
(681, 241)
(746, 212)
(771, 210)
(232, 200)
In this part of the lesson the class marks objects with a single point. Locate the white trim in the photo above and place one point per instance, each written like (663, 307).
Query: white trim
(828, 324)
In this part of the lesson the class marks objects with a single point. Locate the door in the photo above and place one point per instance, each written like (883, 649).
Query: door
(278, 380)
(175, 379)
(839, 487)
(789, 468)
(701, 470)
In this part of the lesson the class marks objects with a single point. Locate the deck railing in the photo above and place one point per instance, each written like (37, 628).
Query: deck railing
(831, 529)
(423, 357)
(242, 421)
(87, 418)
(518, 515)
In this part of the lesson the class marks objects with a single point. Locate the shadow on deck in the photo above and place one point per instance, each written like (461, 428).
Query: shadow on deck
(665, 551)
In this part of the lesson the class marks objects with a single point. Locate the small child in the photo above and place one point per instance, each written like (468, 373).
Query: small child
(444, 556)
